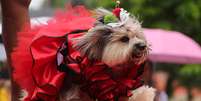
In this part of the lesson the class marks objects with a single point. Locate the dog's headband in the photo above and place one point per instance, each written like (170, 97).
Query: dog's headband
(122, 15)
(118, 18)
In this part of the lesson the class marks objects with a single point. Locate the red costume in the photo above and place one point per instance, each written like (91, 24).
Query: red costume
(36, 67)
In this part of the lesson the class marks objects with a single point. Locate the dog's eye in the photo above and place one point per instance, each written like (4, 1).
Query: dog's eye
(124, 39)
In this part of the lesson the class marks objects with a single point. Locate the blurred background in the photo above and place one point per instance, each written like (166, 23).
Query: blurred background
(176, 78)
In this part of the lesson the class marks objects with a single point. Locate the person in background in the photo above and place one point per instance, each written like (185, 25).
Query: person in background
(196, 93)
(160, 79)
(14, 16)
(180, 92)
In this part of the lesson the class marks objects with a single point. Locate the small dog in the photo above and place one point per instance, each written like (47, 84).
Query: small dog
(119, 46)
(100, 63)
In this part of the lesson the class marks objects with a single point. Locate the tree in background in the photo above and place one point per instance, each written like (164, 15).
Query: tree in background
(190, 75)
(62, 3)
(58, 3)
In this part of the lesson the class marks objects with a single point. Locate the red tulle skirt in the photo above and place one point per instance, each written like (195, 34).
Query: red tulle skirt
(34, 58)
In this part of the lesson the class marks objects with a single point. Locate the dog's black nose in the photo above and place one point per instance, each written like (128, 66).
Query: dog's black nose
(140, 46)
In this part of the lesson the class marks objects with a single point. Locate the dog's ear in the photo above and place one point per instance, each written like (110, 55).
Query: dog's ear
(93, 42)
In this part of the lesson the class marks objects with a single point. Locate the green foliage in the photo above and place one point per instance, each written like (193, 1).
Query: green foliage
(58, 3)
(110, 19)
(180, 15)
(63, 3)
(188, 70)
(190, 75)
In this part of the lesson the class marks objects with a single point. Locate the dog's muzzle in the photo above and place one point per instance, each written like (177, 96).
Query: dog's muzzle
(140, 46)
(138, 49)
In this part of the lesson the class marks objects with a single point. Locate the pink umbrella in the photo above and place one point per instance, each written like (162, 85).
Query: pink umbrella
(172, 47)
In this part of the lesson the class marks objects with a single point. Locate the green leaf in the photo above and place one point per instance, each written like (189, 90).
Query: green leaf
(110, 19)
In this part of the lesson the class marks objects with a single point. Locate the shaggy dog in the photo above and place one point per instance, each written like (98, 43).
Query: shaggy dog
(118, 47)
(99, 63)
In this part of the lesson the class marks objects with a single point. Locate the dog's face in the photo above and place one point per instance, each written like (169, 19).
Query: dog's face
(114, 45)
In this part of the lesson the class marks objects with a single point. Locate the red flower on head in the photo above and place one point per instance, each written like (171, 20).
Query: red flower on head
(116, 12)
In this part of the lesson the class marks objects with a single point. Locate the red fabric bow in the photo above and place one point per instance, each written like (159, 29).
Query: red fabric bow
(116, 12)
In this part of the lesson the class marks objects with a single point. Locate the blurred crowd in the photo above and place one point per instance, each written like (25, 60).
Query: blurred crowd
(160, 79)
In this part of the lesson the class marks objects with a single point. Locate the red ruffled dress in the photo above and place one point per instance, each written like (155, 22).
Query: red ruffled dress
(36, 67)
